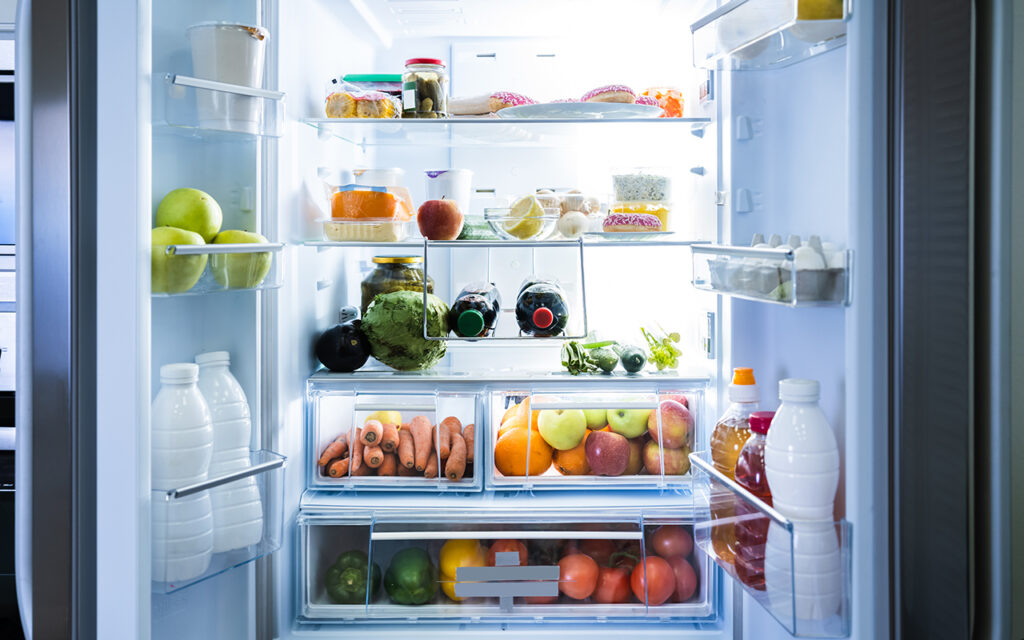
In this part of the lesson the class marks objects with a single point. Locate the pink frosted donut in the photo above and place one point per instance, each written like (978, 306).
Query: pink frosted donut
(632, 222)
(610, 93)
(502, 99)
(646, 100)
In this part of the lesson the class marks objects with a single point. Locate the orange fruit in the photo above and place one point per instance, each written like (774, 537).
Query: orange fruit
(511, 411)
(521, 452)
(512, 423)
(573, 462)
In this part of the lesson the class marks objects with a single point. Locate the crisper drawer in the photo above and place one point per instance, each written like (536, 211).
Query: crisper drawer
(405, 440)
(500, 567)
(614, 439)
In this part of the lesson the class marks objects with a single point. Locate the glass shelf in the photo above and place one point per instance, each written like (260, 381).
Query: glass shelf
(220, 267)
(672, 240)
(443, 373)
(199, 108)
(456, 132)
(765, 34)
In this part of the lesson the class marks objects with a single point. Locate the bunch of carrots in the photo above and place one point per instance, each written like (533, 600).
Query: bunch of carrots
(411, 449)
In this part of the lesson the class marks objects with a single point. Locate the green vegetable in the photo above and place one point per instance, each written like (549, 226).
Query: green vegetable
(598, 345)
(577, 360)
(664, 352)
(633, 358)
(411, 578)
(606, 358)
(393, 323)
(347, 578)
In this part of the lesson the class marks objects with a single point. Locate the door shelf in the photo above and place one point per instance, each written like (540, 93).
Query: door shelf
(521, 457)
(334, 412)
(205, 108)
(766, 34)
(771, 275)
(187, 546)
(799, 571)
(460, 587)
(222, 267)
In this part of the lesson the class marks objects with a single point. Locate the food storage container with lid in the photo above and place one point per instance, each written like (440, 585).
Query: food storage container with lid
(424, 89)
(394, 273)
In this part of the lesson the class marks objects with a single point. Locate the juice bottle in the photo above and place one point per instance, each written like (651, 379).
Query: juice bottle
(475, 311)
(541, 308)
(727, 439)
(752, 531)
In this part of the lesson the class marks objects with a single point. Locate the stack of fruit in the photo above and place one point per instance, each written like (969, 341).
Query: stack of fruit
(580, 442)
(191, 216)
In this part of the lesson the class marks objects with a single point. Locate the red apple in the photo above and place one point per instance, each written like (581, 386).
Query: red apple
(636, 457)
(677, 461)
(676, 425)
(439, 220)
(681, 399)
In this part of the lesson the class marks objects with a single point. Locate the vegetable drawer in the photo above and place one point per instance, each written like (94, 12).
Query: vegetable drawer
(384, 565)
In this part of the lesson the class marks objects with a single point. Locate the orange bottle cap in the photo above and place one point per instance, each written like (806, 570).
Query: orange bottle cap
(743, 376)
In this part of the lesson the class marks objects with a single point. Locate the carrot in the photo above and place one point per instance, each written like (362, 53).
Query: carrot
(364, 470)
(373, 456)
(357, 450)
(406, 471)
(338, 467)
(441, 438)
(469, 434)
(371, 432)
(431, 468)
(335, 449)
(389, 438)
(405, 448)
(389, 466)
(420, 429)
(456, 465)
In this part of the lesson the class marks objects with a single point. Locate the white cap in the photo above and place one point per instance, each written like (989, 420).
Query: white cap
(798, 390)
(179, 372)
(213, 357)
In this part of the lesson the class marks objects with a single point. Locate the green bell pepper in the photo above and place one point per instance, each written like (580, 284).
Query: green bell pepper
(411, 578)
(347, 578)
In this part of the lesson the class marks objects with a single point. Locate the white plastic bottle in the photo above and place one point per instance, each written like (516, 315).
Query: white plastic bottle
(237, 509)
(181, 449)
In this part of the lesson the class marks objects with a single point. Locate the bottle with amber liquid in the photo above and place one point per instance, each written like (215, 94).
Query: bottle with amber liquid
(727, 440)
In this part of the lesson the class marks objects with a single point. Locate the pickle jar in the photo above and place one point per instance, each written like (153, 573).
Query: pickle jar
(424, 89)
(394, 273)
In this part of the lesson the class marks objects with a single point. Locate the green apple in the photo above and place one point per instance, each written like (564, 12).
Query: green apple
(596, 418)
(192, 210)
(628, 422)
(240, 270)
(174, 274)
(563, 429)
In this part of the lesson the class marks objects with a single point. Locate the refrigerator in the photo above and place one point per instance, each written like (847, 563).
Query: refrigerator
(801, 125)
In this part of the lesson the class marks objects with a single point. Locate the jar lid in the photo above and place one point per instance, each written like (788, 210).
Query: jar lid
(760, 421)
(397, 259)
(424, 61)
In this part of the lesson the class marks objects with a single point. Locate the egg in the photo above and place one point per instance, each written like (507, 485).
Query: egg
(807, 258)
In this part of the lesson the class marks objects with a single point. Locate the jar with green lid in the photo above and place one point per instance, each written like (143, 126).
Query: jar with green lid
(394, 273)
(424, 89)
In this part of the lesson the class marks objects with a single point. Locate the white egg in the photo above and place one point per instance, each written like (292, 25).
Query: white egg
(807, 258)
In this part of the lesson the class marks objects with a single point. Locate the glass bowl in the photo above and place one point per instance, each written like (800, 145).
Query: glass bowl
(529, 228)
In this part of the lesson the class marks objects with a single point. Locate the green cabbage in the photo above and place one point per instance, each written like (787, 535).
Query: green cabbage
(393, 323)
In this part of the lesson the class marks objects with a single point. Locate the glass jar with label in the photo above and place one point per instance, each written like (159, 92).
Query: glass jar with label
(424, 89)
(394, 273)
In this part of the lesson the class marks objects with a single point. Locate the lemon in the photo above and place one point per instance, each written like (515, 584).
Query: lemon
(819, 9)
(524, 218)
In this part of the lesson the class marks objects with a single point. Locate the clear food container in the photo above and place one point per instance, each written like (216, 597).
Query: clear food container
(424, 89)
(662, 209)
(509, 227)
(641, 184)
(368, 230)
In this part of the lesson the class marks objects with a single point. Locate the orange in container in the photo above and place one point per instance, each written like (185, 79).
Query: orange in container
(374, 203)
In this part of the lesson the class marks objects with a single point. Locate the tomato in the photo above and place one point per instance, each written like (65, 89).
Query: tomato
(672, 540)
(507, 545)
(612, 585)
(577, 575)
(600, 550)
(686, 578)
(653, 581)
(541, 599)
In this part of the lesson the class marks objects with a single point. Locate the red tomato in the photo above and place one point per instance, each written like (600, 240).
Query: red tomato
(507, 545)
(653, 581)
(577, 575)
(686, 578)
(612, 585)
(541, 599)
(600, 550)
(672, 540)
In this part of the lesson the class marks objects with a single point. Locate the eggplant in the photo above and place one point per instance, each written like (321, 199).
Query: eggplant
(343, 348)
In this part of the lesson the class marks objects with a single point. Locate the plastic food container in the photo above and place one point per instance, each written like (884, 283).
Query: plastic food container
(379, 177)
(367, 230)
(508, 227)
(661, 209)
(394, 273)
(641, 184)
(389, 83)
(424, 89)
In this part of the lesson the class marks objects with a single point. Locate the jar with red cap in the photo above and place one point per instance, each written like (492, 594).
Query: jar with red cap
(424, 89)
(541, 308)
(752, 526)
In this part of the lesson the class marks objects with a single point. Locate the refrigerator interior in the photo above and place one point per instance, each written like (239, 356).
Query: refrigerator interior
(767, 153)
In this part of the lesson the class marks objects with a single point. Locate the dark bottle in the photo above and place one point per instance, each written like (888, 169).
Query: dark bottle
(541, 309)
(475, 311)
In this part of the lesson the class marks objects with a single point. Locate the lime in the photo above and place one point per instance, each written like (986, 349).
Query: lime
(524, 218)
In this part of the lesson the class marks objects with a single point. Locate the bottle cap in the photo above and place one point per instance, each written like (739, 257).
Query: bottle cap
(179, 372)
(347, 314)
(743, 387)
(798, 390)
(211, 357)
(470, 323)
(543, 318)
(760, 421)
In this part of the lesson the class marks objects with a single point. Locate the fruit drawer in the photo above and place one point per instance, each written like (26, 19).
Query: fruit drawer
(406, 441)
(381, 565)
(555, 440)
(799, 571)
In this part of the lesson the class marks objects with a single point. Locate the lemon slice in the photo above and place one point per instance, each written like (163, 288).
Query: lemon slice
(524, 218)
